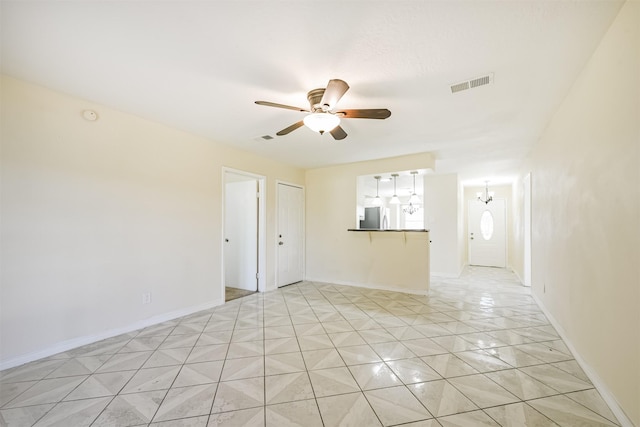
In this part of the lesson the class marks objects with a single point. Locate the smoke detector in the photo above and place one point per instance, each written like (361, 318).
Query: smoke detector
(90, 115)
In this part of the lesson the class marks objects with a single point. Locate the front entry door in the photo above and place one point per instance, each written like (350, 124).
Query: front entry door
(487, 233)
(290, 234)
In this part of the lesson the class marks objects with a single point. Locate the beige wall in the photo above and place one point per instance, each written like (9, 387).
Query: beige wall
(336, 255)
(96, 213)
(586, 214)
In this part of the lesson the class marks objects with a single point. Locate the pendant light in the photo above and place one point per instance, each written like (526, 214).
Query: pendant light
(377, 201)
(414, 200)
(395, 200)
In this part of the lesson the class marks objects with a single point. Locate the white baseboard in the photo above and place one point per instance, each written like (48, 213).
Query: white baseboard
(370, 286)
(604, 391)
(89, 339)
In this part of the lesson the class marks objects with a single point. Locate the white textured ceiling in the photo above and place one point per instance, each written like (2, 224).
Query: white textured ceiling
(199, 66)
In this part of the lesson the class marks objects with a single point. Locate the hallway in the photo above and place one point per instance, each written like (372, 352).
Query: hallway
(477, 351)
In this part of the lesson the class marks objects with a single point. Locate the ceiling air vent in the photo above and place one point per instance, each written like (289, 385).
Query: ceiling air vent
(262, 138)
(460, 86)
(470, 84)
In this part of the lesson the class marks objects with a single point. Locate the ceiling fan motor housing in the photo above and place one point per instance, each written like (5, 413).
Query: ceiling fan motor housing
(315, 98)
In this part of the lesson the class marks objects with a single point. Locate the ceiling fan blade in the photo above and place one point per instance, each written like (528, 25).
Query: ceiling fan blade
(375, 113)
(338, 133)
(290, 128)
(334, 91)
(288, 107)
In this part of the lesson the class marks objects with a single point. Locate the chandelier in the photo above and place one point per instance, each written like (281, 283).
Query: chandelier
(411, 209)
(488, 195)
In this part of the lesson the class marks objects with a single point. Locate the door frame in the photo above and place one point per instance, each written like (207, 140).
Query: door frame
(527, 210)
(304, 224)
(262, 246)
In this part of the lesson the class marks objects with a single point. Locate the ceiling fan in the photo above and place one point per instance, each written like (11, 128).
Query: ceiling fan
(323, 115)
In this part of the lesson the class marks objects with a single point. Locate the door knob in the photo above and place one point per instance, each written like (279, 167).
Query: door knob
(226, 240)
(280, 243)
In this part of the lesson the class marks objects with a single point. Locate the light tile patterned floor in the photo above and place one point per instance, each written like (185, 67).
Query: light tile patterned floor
(476, 352)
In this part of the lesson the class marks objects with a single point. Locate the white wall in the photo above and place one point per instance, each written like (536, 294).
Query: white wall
(339, 256)
(586, 214)
(442, 220)
(96, 213)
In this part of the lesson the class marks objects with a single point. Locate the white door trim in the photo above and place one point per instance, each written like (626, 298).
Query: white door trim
(262, 246)
(527, 229)
(304, 224)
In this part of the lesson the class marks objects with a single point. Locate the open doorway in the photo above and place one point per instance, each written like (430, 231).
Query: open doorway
(243, 231)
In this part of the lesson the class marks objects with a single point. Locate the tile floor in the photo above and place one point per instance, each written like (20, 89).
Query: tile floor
(476, 352)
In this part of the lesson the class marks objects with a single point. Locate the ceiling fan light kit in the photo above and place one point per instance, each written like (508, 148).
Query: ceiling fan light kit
(323, 116)
(321, 122)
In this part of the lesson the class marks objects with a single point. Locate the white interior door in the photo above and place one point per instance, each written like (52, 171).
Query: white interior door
(241, 232)
(487, 233)
(290, 234)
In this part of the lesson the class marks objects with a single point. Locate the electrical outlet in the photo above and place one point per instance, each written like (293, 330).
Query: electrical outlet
(146, 298)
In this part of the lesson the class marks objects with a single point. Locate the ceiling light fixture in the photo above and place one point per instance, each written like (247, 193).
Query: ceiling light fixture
(488, 195)
(411, 209)
(321, 122)
(377, 201)
(414, 197)
(414, 200)
(394, 199)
